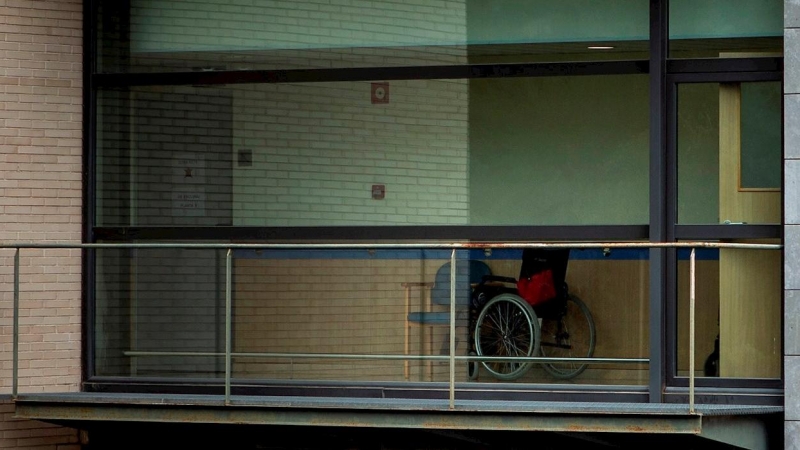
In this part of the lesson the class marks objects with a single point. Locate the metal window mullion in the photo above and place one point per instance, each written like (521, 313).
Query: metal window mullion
(228, 323)
(658, 194)
(452, 362)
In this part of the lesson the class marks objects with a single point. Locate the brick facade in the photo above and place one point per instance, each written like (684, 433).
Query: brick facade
(40, 201)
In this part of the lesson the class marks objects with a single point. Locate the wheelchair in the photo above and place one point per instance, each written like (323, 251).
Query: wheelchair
(505, 322)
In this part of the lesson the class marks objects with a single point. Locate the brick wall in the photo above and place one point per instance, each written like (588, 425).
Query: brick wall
(318, 148)
(40, 201)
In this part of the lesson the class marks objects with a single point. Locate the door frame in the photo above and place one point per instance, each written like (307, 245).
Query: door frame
(743, 70)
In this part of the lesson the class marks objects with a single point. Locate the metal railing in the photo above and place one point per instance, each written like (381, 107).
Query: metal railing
(452, 358)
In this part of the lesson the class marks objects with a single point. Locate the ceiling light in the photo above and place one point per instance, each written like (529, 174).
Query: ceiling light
(600, 47)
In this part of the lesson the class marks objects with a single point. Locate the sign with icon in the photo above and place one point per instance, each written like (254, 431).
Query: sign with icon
(380, 93)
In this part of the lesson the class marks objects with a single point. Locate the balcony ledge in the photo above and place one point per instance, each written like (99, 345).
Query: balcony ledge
(75, 409)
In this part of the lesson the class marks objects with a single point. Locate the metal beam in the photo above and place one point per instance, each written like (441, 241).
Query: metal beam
(322, 417)
(750, 432)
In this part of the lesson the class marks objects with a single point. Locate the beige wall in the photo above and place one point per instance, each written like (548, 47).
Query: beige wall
(357, 306)
(40, 201)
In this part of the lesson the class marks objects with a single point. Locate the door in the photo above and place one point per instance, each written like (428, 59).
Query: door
(750, 280)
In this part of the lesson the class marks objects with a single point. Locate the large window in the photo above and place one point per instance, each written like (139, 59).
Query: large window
(358, 121)
(523, 151)
(728, 151)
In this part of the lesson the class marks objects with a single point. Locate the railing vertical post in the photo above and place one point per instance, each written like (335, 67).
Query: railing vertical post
(228, 308)
(692, 274)
(15, 332)
(453, 329)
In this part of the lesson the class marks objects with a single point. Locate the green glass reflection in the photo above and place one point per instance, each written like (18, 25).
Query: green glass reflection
(169, 35)
(761, 136)
(725, 28)
(545, 30)
(559, 151)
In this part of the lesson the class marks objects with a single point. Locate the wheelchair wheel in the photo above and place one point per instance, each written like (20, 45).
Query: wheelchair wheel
(507, 326)
(569, 334)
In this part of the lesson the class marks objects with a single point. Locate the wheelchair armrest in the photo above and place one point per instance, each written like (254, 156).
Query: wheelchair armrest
(490, 278)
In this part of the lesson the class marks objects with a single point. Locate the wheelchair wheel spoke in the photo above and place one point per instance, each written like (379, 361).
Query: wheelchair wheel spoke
(572, 335)
(505, 328)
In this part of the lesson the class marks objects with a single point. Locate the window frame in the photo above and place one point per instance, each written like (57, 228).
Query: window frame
(664, 73)
(709, 71)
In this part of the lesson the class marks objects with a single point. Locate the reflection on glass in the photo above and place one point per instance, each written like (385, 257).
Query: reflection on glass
(738, 313)
(157, 308)
(173, 35)
(560, 150)
(722, 28)
(609, 319)
(338, 302)
(543, 30)
(729, 153)
(761, 154)
(153, 306)
(536, 151)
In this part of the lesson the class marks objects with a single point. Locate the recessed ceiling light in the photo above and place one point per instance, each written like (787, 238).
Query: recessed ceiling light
(600, 47)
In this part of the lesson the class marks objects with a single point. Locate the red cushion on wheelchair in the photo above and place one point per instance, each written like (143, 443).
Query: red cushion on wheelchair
(537, 288)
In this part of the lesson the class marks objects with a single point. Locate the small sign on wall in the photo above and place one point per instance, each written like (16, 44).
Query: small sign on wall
(188, 185)
(188, 169)
(378, 191)
(189, 204)
(380, 93)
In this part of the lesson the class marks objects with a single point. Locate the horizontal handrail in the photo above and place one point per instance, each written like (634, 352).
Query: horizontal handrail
(229, 354)
(539, 359)
(450, 245)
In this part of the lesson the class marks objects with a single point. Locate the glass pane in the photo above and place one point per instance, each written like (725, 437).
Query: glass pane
(536, 151)
(738, 313)
(167, 35)
(164, 157)
(725, 28)
(612, 288)
(155, 309)
(729, 153)
(546, 30)
(365, 315)
(762, 136)
(359, 302)
(562, 150)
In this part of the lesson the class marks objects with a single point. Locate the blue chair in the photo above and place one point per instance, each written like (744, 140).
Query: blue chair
(468, 273)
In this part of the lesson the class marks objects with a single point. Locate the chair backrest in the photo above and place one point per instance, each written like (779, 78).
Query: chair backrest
(467, 273)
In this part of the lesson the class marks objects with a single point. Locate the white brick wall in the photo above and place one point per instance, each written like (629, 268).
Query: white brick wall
(319, 147)
(40, 201)
(150, 137)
